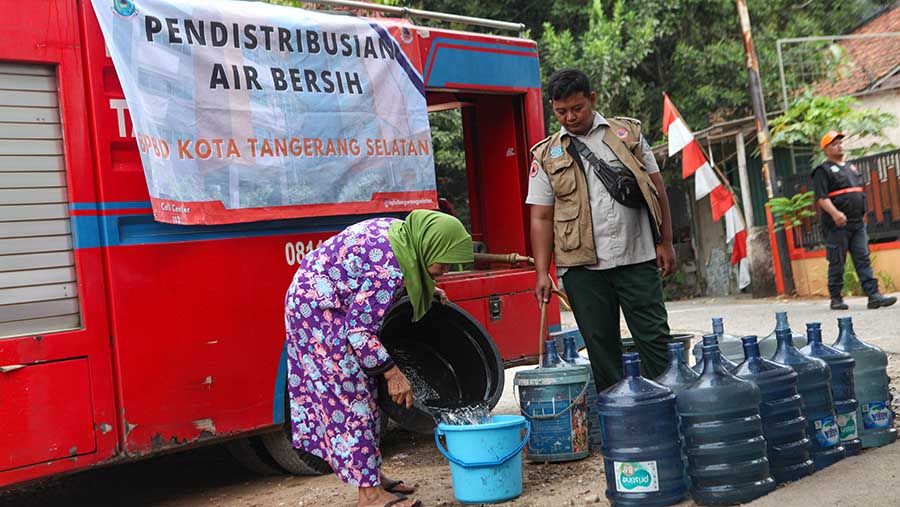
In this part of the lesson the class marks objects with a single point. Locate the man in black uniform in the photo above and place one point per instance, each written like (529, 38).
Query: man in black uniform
(840, 193)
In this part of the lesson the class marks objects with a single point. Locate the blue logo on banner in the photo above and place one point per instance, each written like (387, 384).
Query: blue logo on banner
(124, 8)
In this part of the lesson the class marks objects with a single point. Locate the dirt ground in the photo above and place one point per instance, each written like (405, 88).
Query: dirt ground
(210, 477)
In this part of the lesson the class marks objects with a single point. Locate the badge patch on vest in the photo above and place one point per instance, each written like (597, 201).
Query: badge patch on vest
(535, 167)
(556, 152)
(621, 133)
(835, 168)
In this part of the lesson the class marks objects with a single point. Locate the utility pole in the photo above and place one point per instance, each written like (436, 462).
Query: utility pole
(765, 147)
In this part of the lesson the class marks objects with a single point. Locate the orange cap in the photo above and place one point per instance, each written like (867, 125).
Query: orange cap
(829, 138)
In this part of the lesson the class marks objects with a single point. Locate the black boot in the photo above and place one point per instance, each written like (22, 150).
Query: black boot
(839, 304)
(879, 300)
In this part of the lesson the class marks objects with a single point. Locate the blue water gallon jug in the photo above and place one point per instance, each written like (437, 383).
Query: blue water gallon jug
(814, 384)
(729, 345)
(712, 339)
(676, 377)
(677, 374)
(842, 390)
(769, 344)
(641, 453)
(572, 357)
(781, 409)
(723, 437)
(871, 381)
(551, 358)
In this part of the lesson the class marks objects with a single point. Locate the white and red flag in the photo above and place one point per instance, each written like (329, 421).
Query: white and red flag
(707, 182)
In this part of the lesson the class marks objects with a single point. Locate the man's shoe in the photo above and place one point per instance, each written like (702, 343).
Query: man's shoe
(839, 304)
(880, 301)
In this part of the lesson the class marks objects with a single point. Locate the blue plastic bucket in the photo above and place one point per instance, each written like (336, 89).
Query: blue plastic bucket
(555, 401)
(485, 459)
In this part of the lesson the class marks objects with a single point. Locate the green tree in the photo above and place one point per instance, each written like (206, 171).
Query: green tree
(790, 212)
(693, 48)
(810, 116)
(614, 43)
(450, 161)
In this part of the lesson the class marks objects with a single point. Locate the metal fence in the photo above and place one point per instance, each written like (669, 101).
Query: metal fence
(880, 174)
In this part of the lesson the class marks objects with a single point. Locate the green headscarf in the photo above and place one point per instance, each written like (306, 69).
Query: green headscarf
(424, 238)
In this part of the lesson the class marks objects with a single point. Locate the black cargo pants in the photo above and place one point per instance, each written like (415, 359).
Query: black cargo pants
(597, 296)
(851, 238)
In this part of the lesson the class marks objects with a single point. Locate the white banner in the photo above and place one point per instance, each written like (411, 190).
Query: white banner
(247, 111)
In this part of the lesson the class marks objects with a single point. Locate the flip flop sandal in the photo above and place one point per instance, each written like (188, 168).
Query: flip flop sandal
(390, 485)
(401, 498)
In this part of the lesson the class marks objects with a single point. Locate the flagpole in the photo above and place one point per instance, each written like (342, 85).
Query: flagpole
(765, 147)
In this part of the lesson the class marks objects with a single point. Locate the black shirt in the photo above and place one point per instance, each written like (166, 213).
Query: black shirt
(829, 177)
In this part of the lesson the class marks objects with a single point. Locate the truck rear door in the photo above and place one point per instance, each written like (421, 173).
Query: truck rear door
(55, 371)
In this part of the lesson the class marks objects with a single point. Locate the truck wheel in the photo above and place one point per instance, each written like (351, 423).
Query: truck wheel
(281, 448)
(253, 455)
(295, 461)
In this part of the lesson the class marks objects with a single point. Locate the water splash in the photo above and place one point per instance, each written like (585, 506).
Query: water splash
(463, 416)
(422, 390)
(426, 394)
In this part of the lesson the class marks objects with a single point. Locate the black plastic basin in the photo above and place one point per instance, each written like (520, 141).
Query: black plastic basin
(449, 351)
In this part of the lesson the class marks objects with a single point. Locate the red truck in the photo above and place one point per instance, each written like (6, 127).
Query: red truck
(122, 337)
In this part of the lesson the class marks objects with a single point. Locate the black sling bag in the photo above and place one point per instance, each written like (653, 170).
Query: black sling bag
(619, 181)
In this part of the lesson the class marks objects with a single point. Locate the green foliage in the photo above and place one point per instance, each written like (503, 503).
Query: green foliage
(675, 285)
(634, 51)
(811, 116)
(887, 281)
(450, 161)
(852, 287)
(789, 212)
(614, 45)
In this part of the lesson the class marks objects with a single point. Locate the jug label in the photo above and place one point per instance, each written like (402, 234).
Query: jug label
(847, 424)
(636, 476)
(877, 415)
(827, 433)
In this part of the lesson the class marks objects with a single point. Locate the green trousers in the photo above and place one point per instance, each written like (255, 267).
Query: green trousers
(597, 296)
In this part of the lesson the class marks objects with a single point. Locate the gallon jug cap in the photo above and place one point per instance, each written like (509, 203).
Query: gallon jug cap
(814, 331)
(632, 364)
(781, 320)
(710, 339)
(751, 347)
(711, 350)
(845, 321)
(718, 325)
(568, 338)
(783, 334)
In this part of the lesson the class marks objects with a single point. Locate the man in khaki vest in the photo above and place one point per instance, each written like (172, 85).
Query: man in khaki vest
(608, 254)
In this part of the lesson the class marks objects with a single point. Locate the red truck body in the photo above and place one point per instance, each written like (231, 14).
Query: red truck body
(122, 337)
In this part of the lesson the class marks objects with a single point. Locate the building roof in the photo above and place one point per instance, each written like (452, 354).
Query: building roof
(875, 61)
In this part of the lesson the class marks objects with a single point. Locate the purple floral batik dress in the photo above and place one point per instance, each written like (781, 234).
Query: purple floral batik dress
(333, 311)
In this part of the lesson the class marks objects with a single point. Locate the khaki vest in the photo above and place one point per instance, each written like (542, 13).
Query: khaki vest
(573, 231)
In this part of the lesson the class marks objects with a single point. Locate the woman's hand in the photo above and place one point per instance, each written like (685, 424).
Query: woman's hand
(440, 293)
(398, 387)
